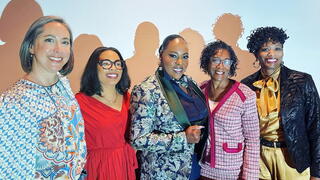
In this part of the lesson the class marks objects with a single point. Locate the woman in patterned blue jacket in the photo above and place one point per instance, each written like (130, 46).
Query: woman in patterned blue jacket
(168, 114)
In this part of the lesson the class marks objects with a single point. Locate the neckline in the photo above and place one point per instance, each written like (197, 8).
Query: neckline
(225, 96)
(224, 92)
(107, 106)
(39, 85)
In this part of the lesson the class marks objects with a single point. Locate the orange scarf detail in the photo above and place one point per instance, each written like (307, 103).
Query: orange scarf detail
(268, 100)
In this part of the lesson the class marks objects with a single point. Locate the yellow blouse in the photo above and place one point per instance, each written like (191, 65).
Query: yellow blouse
(268, 104)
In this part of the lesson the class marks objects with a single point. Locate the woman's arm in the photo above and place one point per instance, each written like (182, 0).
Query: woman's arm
(251, 132)
(17, 137)
(312, 114)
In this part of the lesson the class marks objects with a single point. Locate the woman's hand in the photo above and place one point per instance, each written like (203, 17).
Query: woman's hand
(193, 133)
(314, 178)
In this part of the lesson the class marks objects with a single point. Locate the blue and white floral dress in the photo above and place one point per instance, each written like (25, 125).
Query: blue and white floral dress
(41, 132)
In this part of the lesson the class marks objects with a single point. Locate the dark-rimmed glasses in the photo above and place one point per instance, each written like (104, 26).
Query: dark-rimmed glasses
(217, 61)
(107, 64)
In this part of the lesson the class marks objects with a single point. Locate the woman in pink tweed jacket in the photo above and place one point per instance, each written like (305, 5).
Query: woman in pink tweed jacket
(232, 149)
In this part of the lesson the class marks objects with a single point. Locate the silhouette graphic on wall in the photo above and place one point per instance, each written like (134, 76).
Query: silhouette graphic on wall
(15, 20)
(83, 47)
(196, 44)
(144, 61)
(229, 29)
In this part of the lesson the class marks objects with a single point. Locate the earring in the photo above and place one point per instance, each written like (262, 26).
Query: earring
(256, 64)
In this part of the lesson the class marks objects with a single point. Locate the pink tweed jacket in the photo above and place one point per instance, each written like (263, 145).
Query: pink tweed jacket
(234, 135)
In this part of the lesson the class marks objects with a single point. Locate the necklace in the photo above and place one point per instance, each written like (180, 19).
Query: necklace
(113, 100)
(104, 100)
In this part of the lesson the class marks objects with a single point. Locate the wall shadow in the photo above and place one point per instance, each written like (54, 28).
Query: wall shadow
(15, 20)
(83, 47)
(144, 61)
(229, 29)
(196, 44)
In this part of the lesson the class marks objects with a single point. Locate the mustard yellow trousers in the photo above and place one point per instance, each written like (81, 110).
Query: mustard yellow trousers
(275, 164)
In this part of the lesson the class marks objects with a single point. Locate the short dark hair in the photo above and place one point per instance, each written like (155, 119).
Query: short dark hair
(29, 39)
(210, 50)
(263, 35)
(166, 41)
(90, 84)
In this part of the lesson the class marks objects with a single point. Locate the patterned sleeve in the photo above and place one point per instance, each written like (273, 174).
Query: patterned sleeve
(251, 133)
(79, 134)
(17, 137)
(143, 135)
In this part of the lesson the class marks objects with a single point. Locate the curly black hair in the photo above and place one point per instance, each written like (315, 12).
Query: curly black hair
(211, 49)
(263, 35)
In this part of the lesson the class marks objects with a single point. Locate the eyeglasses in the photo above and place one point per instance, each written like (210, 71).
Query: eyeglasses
(217, 61)
(107, 64)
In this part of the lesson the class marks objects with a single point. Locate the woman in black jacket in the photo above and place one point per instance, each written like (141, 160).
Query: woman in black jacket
(289, 111)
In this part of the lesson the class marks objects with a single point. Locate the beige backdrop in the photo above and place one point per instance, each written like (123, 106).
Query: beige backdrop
(19, 14)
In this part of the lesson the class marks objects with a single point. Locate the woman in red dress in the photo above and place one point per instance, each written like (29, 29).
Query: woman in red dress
(104, 103)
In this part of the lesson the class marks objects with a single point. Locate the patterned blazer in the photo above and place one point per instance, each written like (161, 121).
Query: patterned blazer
(234, 132)
(156, 132)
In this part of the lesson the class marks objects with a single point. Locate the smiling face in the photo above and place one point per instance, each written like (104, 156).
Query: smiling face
(270, 57)
(51, 49)
(112, 75)
(175, 58)
(220, 70)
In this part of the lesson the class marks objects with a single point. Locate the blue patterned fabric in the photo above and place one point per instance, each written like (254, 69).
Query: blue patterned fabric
(156, 132)
(42, 132)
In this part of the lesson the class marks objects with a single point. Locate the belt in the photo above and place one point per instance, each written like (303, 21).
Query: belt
(274, 144)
